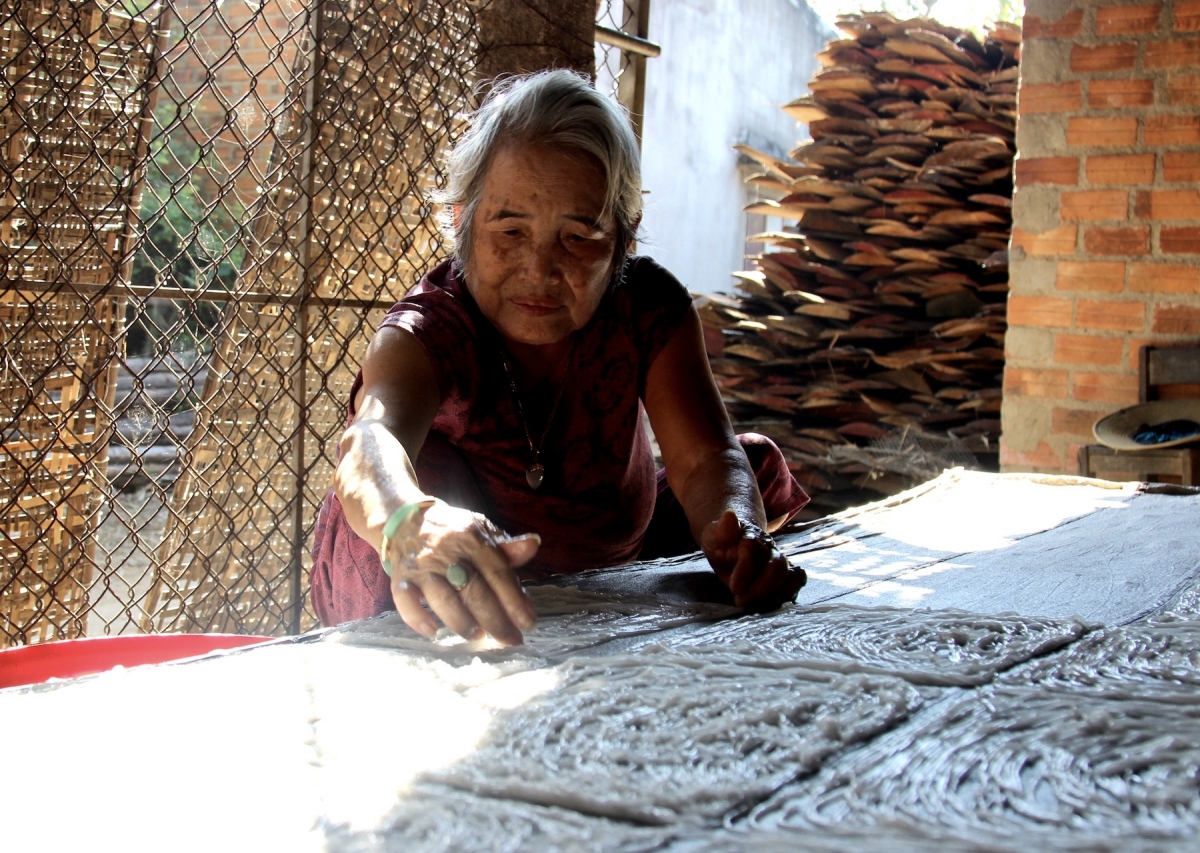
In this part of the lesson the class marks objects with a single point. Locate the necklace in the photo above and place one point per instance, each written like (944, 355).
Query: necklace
(536, 472)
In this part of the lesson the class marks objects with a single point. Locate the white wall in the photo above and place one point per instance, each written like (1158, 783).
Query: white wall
(726, 67)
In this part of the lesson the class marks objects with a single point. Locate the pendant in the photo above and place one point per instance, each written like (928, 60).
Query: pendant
(534, 475)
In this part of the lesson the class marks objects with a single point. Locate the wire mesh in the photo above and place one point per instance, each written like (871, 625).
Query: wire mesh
(384, 96)
(207, 207)
(74, 97)
(619, 72)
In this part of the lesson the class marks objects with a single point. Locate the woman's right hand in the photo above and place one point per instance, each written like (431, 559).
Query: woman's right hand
(482, 593)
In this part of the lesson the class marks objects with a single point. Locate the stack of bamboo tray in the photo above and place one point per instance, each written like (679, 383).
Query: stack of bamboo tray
(74, 103)
(868, 340)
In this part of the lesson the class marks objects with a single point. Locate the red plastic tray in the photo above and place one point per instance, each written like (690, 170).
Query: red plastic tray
(71, 658)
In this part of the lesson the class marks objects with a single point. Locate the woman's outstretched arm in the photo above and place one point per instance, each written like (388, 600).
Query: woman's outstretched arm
(710, 475)
(375, 477)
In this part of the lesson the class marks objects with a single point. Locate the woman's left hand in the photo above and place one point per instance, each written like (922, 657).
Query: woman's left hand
(747, 560)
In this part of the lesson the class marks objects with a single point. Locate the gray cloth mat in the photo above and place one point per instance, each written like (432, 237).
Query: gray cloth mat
(986, 663)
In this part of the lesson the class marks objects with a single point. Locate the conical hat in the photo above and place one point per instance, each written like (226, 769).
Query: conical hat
(1117, 430)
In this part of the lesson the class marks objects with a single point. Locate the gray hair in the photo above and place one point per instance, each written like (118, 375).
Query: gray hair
(557, 108)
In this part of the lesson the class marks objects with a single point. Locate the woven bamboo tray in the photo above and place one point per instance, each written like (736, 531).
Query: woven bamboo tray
(74, 100)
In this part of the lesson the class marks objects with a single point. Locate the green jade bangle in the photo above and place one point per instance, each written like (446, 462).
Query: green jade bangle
(392, 527)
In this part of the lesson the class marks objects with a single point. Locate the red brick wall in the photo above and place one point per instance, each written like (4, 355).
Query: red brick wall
(1106, 238)
(229, 65)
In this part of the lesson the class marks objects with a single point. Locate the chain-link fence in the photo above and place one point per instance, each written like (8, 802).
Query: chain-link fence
(207, 207)
(621, 63)
(175, 369)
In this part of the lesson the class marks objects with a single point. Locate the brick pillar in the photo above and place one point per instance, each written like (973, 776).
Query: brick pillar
(1105, 249)
(518, 36)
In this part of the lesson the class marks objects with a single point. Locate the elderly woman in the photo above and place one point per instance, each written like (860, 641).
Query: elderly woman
(496, 430)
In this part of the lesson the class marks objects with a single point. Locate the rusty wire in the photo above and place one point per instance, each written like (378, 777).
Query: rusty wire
(619, 73)
(207, 208)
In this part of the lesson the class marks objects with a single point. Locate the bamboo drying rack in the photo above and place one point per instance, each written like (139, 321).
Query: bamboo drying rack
(76, 101)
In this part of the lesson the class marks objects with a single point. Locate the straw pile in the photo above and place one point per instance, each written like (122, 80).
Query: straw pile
(868, 340)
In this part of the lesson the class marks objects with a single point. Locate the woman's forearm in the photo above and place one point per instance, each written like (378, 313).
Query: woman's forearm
(374, 477)
(706, 466)
(722, 481)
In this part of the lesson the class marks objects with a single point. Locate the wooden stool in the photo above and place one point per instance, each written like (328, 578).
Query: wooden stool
(1164, 373)
(1179, 464)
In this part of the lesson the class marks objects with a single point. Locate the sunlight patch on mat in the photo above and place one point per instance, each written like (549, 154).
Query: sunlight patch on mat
(973, 511)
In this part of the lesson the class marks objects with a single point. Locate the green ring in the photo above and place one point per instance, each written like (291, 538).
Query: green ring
(456, 575)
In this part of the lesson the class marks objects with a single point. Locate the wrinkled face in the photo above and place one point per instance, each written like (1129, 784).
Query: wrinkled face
(542, 254)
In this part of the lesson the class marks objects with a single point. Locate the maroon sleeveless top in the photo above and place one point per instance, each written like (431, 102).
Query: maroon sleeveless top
(598, 494)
